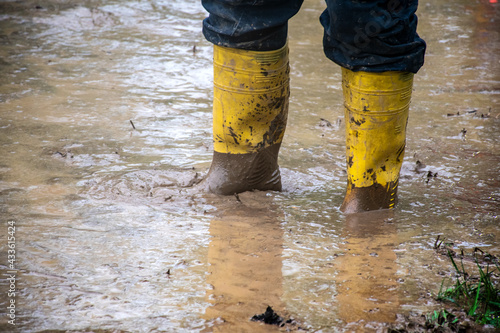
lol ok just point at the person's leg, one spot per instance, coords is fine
(377, 45)
(251, 89)
(373, 36)
(256, 25)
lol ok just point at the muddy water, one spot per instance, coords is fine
(105, 125)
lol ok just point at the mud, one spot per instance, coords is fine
(270, 317)
(456, 321)
(105, 133)
(374, 197)
(236, 173)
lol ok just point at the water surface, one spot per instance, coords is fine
(105, 123)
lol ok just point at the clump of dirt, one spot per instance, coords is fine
(270, 317)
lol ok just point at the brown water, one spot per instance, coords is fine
(110, 235)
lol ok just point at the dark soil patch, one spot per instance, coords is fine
(455, 321)
(272, 318)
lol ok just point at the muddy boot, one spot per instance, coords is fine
(251, 90)
(376, 114)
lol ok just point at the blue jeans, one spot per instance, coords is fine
(360, 35)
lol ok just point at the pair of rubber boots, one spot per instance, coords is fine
(250, 107)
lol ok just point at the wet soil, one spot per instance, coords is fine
(105, 132)
(458, 321)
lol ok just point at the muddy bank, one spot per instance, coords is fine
(105, 132)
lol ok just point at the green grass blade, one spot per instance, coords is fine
(453, 262)
(472, 311)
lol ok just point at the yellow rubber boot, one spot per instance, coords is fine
(250, 108)
(376, 114)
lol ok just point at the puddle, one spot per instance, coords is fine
(105, 132)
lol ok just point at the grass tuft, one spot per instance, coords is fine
(479, 295)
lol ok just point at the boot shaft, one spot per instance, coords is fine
(251, 90)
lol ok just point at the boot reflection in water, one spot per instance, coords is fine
(376, 44)
(367, 287)
(245, 267)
